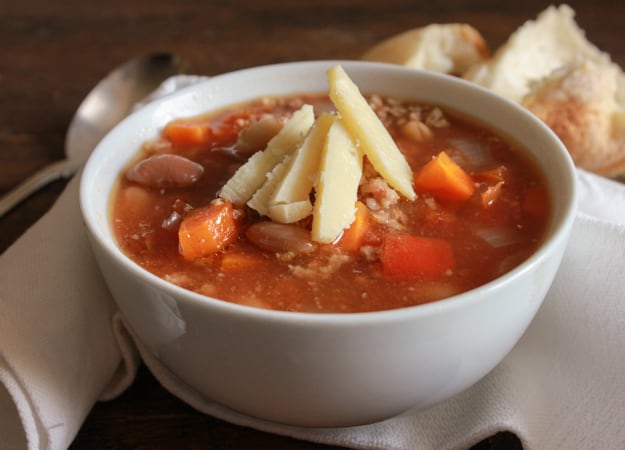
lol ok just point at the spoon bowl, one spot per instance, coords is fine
(108, 103)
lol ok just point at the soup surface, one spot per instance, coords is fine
(481, 209)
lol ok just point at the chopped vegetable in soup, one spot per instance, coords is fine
(280, 203)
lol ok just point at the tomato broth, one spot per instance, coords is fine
(406, 252)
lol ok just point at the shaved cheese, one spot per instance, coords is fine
(290, 212)
(324, 155)
(298, 183)
(252, 175)
(260, 199)
(336, 190)
(366, 128)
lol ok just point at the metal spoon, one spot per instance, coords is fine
(107, 104)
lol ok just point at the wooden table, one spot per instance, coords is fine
(53, 52)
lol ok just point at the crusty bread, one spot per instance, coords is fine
(534, 51)
(547, 65)
(448, 48)
(578, 102)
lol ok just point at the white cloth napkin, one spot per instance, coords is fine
(63, 347)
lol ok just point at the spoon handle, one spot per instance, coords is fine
(52, 172)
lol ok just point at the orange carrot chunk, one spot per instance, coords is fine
(233, 262)
(208, 229)
(445, 180)
(405, 256)
(354, 236)
(494, 175)
(187, 132)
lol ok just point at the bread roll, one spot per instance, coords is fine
(549, 66)
(580, 104)
(533, 52)
(448, 48)
(546, 65)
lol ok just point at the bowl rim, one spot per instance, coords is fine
(559, 229)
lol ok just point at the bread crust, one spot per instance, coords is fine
(447, 48)
(537, 48)
(577, 103)
(547, 65)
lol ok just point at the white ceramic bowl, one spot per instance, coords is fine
(334, 369)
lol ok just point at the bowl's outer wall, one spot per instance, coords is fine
(327, 370)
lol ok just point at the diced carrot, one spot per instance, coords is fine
(187, 132)
(536, 201)
(354, 236)
(445, 180)
(492, 175)
(405, 256)
(208, 229)
(233, 262)
(491, 194)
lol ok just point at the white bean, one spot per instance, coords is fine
(256, 136)
(165, 170)
(278, 237)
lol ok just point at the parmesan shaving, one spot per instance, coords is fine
(324, 156)
(251, 175)
(366, 128)
(337, 187)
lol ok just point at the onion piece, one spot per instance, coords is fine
(499, 237)
(172, 222)
(475, 154)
